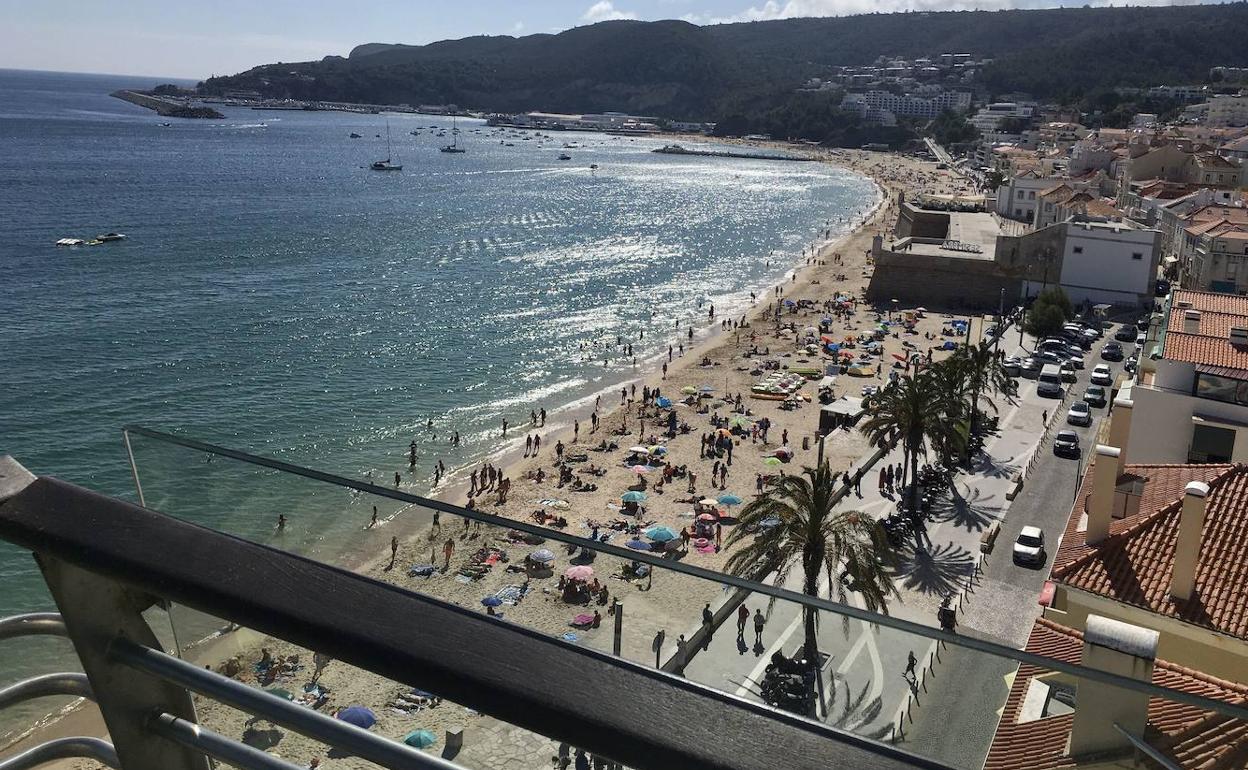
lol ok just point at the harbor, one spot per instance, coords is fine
(676, 149)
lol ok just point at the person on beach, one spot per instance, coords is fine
(543, 416)
(576, 431)
(448, 550)
(411, 455)
(398, 479)
(394, 552)
(281, 522)
(504, 427)
(537, 442)
(532, 418)
(373, 522)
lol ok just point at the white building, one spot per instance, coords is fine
(991, 117)
(1017, 197)
(1193, 383)
(1109, 262)
(1227, 111)
(908, 105)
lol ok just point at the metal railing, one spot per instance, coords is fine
(103, 581)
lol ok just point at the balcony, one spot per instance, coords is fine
(167, 618)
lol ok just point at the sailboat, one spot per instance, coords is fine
(454, 145)
(387, 164)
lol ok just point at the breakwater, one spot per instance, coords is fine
(166, 107)
(675, 149)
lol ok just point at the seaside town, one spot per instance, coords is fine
(964, 484)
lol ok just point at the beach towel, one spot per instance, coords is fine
(510, 594)
(582, 621)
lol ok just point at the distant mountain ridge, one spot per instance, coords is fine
(680, 70)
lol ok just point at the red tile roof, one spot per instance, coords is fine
(1133, 565)
(1211, 300)
(1193, 738)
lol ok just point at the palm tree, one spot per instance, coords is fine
(916, 411)
(821, 539)
(984, 377)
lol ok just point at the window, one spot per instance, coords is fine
(1031, 195)
(1078, 250)
(1021, 194)
(1217, 388)
(1137, 255)
(1232, 267)
(1018, 212)
(1211, 445)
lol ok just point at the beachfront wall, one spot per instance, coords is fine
(944, 282)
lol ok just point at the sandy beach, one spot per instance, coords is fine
(722, 361)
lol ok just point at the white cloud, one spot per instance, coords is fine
(773, 9)
(517, 27)
(605, 10)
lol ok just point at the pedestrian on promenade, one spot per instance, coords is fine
(743, 616)
(708, 617)
(759, 622)
(883, 480)
(911, 662)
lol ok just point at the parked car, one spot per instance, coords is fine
(1029, 547)
(1140, 339)
(1095, 396)
(1067, 371)
(1076, 361)
(1079, 414)
(1163, 288)
(1101, 375)
(1143, 321)
(1125, 333)
(1012, 366)
(1030, 368)
(1066, 444)
(1049, 357)
(1129, 365)
(1112, 352)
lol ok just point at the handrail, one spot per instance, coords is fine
(1239, 711)
(606, 705)
(64, 748)
(32, 624)
(67, 683)
(214, 744)
(301, 719)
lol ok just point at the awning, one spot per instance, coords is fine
(1222, 371)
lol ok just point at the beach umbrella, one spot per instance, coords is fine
(542, 556)
(784, 451)
(420, 739)
(491, 601)
(689, 390)
(707, 517)
(772, 461)
(638, 545)
(741, 422)
(729, 500)
(580, 572)
(706, 501)
(638, 450)
(641, 469)
(658, 450)
(358, 716)
(633, 497)
(706, 389)
(661, 534)
(664, 402)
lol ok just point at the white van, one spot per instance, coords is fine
(1049, 383)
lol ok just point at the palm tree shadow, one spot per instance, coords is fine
(940, 571)
(985, 464)
(856, 713)
(973, 513)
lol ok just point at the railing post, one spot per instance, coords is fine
(97, 610)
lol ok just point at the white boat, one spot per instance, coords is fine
(564, 156)
(107, 237)
(454, 145)
(387, 164)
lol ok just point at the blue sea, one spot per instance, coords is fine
(274, 294)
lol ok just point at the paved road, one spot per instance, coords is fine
(867, 664)
(1003, 603)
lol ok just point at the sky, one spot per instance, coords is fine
(176, 38)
